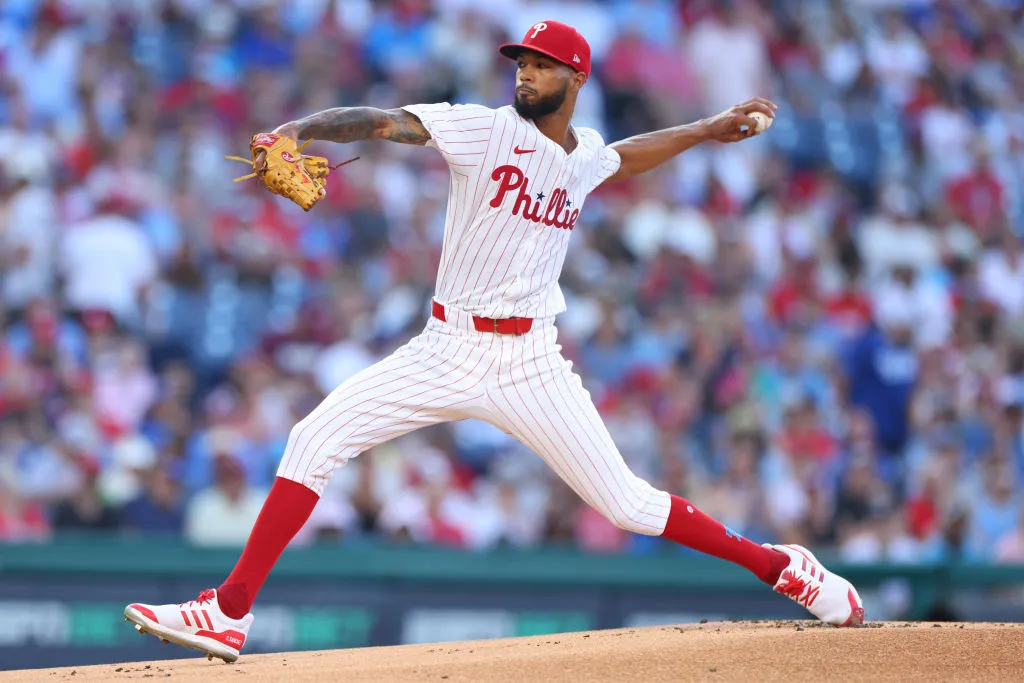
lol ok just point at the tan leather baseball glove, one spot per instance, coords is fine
(278, 161)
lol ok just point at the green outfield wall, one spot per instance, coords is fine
(61, 602)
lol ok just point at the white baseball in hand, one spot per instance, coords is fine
(762, 122)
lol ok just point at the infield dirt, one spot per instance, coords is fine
(744, 651)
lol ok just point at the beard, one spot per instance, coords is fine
(542, 104)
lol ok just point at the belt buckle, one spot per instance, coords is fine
(495, 321)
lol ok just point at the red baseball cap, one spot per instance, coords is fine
(556, 40)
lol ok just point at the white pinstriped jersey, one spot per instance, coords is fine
(514, 199)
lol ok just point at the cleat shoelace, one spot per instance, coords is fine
(205, 597)
(793, 587)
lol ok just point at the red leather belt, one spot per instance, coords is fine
(517, 326)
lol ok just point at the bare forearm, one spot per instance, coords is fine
(643, 152)
(342, 124)
(349, 124)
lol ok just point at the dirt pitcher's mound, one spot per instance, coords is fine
(762, 651)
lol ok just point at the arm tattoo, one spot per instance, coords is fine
(343, 124)
(348, 124)
(406, 127)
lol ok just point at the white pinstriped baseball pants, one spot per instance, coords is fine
(521, 384)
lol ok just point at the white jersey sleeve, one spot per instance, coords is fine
(606, 162)
(460, 132)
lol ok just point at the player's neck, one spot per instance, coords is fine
(555, 126)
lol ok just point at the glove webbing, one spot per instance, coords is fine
(252, 163)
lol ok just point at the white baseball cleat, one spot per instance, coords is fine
(827, 596)
(198, 624)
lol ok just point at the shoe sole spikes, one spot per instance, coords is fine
(163, 641)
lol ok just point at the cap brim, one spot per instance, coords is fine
(513, 50)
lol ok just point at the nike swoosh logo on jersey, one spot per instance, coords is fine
(523, 151)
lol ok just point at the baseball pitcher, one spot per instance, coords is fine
(489, 350)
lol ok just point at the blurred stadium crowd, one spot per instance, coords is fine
(816, 335)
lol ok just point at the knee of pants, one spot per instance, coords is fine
(641, 511)
(310, 458)
(300, 435)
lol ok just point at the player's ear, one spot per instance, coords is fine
(579, 78)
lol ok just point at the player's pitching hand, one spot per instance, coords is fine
(739, 122)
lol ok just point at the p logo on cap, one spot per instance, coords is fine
(556, 40)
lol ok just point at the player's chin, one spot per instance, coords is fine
(529, 110)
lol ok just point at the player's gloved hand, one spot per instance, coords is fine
(278, 161)
(728, 126)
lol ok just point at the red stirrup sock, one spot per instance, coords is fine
(690, 527)
(286, 509)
